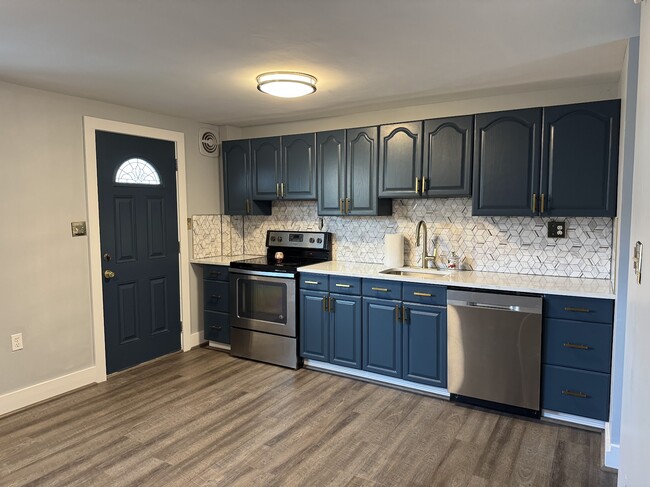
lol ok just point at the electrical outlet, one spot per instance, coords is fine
(556, 229)
(16, 342)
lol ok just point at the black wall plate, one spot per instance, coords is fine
(556, 229)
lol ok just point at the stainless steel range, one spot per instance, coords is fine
(263, 304)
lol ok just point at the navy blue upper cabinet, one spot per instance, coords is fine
(298, 167)
(238, 198)
(507, 162)
(347, 169)
(447, 156)
(266, 173)
(580, 159)
(330, 161)
(400, 160)
(361, 174)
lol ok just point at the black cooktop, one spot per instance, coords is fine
(298, 249)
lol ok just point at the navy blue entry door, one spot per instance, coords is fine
(136, 178)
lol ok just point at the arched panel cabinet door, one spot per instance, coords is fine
(330, 161)
(298, 167)
(237, 194)
(580, 159)
(447, 156)
(400, 160)
(507, 163)
(266, 170)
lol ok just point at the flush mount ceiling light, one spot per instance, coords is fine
(286, 84)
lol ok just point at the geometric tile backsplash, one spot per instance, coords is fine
(516, 245)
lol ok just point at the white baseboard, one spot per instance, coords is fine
(21, 398)
(594, 424)
(195, 340)
(611, 450)
(377, 378)
(220, 346)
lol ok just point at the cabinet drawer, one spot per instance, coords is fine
(579, 309)
(215, 272)
(425, 294)
(216, 326)
(578, 392)
(215, 295)
(578, 344)
(377, 288)
(345, 285)
(315, 282)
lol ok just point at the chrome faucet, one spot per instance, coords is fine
(421, 229)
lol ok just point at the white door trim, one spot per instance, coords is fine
(91, 125)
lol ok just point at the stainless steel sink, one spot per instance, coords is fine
(415, 272)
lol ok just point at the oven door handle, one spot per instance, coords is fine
(262, 273)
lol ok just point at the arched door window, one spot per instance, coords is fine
(137, 171)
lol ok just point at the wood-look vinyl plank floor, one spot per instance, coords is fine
(205, 419)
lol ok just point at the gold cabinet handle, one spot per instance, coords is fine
(331, 305)
(533, 205)
(347, 206)
(248, 206)
(341, 205)
(581, 395)
(325, 304)
(312, 282)
(425, 185)
(342, 285)
(109, 274)
(577, 310)
(576, 346)
(417, 185)
(382, 289)
(397, 317)
(425, 295)
(541, 203)
(277, 189)
(405, 318)
(282, 190)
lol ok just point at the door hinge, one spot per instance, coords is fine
(176, 163)
(179, 246)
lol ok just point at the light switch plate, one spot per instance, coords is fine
(78, 229)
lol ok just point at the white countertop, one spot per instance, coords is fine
(222, 259)
(566, 286)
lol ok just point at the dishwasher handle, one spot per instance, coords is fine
(485, 301)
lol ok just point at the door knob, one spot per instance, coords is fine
(109, 274)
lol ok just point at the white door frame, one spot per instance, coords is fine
(91, 125)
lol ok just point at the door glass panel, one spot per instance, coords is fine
(262, 300)
(137, 171)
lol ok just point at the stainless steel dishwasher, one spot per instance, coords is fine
(494, 348)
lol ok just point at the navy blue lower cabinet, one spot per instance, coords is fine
(216, 326)
(382, 337)
(425, 344)
(345, 330)
(314, 325)
(580, 392)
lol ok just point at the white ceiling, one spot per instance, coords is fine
(199, 58)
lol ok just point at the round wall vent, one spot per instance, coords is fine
(209, 143)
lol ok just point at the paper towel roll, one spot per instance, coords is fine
(394, 250)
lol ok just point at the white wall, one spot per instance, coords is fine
(45, 289)
(575, 94)
(628, 86)
(635, 428)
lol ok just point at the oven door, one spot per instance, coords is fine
(263, 301)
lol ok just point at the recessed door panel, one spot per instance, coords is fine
(156, 228)
(159, 305)
(128, 312)
(125, 233)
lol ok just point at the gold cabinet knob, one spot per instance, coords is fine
(109, 274)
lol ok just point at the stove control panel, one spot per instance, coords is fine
(302, 240)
